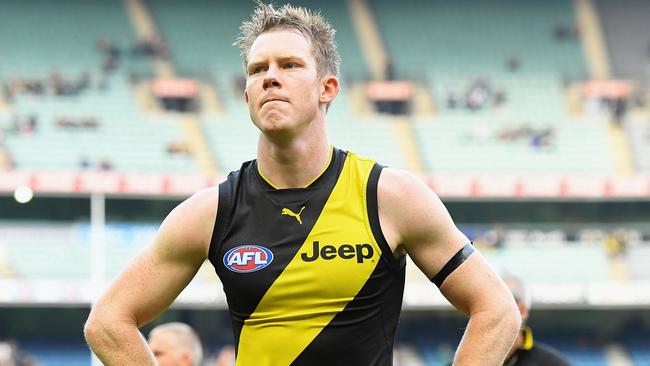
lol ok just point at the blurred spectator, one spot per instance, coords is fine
(77, 122)
(84, 163)
(21, 125)
(55, 84)
(478, 93)
(105, 165)
(226, 356)
(6, 355)
(389, 70)
(179, 148)
(535, 138)
(618, 108)
(526, 351)
(500, 98)
(513, 63)
(616, 243)
(151, 47)
(561, 30)
(452, 98)
(542, 138)
(176, 344)
(493, 238)
(10, 355)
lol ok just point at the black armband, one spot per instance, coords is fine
(452, 264)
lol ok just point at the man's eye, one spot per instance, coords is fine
(256, 70)
(291, 65)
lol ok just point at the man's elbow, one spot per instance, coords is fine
(100, 330)
(92, 330)
(510, 317)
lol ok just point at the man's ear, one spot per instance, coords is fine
(329, 88)
(246, 96)
(523, 310)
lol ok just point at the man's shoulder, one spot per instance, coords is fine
(399, 184)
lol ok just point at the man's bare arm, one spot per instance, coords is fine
(414, 220)
(151, 282)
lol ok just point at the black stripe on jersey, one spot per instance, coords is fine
(371, 310)
(224, 212)
(373, 216)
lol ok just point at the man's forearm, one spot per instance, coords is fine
(488, 338)
(118, 343)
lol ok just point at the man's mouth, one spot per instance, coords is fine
(274, 100)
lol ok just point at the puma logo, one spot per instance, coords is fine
(286, 211)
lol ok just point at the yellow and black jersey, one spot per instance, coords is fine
(308, 275)
(533, 353)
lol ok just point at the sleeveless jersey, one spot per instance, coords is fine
(308, 275)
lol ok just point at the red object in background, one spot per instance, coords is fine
(610, 89)
(389, 91)
(174, 88)
(460, 186)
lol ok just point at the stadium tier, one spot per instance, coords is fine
(546, 261)
(621, 22)
(493, 145)
(70, 110)
(500, 94)
(639, 137)
(450, 44)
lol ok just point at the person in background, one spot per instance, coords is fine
(175, 344)
(526, 351)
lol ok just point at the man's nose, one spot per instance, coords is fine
(271, 78)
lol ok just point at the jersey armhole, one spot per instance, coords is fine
(224, 216)
(373, 218)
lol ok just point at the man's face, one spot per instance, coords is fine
(166, 350)
(282, 87)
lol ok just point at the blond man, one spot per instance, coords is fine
(308, 240)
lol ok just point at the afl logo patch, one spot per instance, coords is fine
(247, 258)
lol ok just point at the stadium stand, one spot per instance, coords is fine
(638, 132)
(622, 22)
(100, 122)
(197, 52)
(465, 55)
(483, 145)
(549, 259)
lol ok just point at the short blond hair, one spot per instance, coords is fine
(310, 24)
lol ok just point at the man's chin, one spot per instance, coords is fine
(274, 123)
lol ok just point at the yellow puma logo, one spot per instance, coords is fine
(286, 211)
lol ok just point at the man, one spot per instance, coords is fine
(309, 241)
(526, 351)
(175, 344)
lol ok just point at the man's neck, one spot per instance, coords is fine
(295, 164)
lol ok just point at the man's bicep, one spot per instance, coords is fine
(422, 224)
(146, 287)
(155, 277)
(474, 286)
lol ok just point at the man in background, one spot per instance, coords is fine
(526, 351)
(175, 344)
